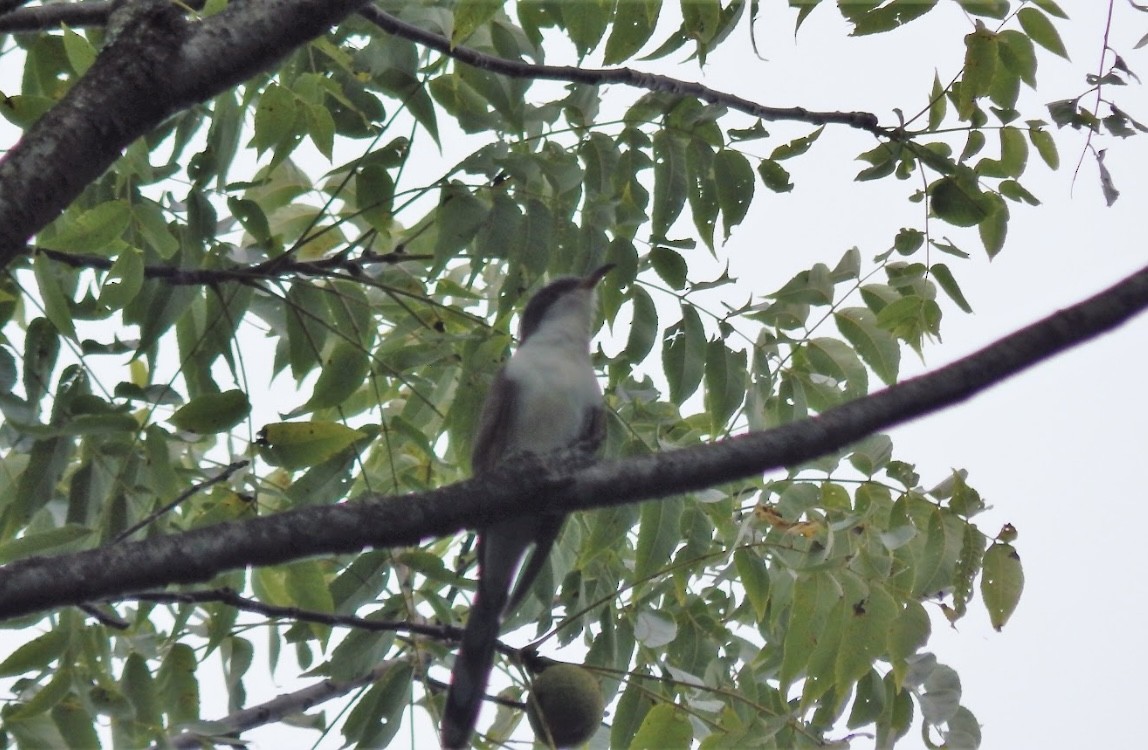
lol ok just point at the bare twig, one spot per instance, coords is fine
(625, 76)
(230, 726)
(221, 476)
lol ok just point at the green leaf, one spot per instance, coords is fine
(877, 347)
(659, 535)
(869, 701)
(295, 445)
(725, 381)
(81, 54)
(908, 241)
(1018, 55)
(866, 628)
(306, 588)
(1014, 191)
(835, 359)
(973, 145)
(377, 716)
(670, 266)
(941, 696)
(814, 595)
(774, 176)
(55, 302)
(375, 194)
(469, 16)
(75, 724)
(124, 280)
(1044, 144)
(213, 412)
(139, 689)
(643, 325)
(458, 218)
(345, 368)
(670, 181)
(683, 355)
(796, 147)
(1041, 30)
(275, 117)
(664, 728)
(177, 685)
(585, 22)
(753, 574)
(980, 67)
(897, 717)
(958, 202)
(39, 542)
(994, 227)
(48, 696)
(250, 215)
(35, 655)
(948, 283)
(871, 454)
(735, 183)
(634, 24)
(461, 100)
(703, 189)
(908, 633)
(1002, 581)
(938, 103)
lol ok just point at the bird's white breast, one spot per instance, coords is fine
(555, 389)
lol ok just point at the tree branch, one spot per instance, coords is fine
(232, 599)
(625, 76)
(156, 64)
(540, 484)
(15, 19)
(278, 708)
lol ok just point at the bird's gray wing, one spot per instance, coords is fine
(589, 439)
(498, 414)
(498, 556)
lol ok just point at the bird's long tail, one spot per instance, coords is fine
(472, 667)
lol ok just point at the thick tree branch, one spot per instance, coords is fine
(40, 17)
(532, 483)
(157, 64)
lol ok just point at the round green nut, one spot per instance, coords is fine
(565, 705)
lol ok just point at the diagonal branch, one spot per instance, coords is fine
(535, 484)
(279, 708)
(624, 76)
(156, 64)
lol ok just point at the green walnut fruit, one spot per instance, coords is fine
(565, 705)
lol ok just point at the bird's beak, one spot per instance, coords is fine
(591, 279)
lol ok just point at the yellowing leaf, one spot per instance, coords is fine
(294, 445)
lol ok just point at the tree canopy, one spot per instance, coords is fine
(263, 260)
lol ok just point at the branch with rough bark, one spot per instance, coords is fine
(544, 484)
(156, 64)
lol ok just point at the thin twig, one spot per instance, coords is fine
(221, 476)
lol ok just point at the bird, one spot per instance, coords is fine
(546, 397)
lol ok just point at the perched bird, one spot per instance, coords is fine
(544, 398)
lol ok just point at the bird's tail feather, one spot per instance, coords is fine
(472, 669)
